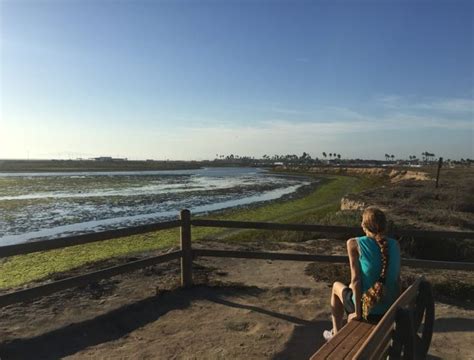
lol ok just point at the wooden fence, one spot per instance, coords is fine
(187, 253)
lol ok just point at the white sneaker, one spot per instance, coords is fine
(328, 334)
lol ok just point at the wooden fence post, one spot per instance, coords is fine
(440, 163)
(187, 258)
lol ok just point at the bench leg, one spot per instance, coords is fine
(403, 342)
(424, 310)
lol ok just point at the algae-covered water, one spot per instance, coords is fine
(46, 205)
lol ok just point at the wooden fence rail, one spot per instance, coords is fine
(416, 263)
(187, 253)
(67, 241)
(346, 230)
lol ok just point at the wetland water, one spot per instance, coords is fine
(46, 205)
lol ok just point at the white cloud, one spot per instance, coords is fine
(277, 137)
(389, 101)
(288, 111)
(446, 105)
(449, 105)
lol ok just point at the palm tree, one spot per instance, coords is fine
(324, 154)
(427, 155)
(339, 156)
(392, 156)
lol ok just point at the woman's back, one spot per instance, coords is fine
(370, 261)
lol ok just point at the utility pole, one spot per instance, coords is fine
(440, 163)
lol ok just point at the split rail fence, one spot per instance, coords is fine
(187, 253)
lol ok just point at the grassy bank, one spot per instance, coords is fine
(320, 206)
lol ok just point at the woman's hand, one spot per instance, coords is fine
(353, 316)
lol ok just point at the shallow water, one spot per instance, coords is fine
(46, 205)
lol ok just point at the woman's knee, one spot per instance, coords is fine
(338, 290)
(337, 286)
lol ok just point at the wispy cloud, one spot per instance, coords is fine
(338, 120)
(285, 136)
(445, 105)
(449, 105)
(288, 111)
(389, 101)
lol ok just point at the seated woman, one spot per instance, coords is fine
(375, 275)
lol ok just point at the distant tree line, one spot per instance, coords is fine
(331, 158)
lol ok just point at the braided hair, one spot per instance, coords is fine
(374, 222)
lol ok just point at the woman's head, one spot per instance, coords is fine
(374, 221)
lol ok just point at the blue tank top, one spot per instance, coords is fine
(370, 261)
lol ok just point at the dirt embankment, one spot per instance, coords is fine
(352, 202)
(394, 175)
(412, 204)
(419, 204)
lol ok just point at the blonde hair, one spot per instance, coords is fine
(374, 222)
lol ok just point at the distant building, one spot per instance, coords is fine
(109, 158)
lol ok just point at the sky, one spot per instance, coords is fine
(192, 79)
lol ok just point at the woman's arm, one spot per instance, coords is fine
(355, 285)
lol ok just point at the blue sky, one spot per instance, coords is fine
(189, 79)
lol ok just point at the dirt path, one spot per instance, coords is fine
(249, 309)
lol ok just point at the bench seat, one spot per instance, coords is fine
(347, 342)
(394, 334)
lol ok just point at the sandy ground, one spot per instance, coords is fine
(240, 309)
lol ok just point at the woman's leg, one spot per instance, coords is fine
(337, 307)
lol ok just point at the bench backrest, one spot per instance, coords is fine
(379, 339)
(361, 340)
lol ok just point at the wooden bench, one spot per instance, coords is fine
(404, 332)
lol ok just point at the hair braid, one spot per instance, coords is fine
(374, 221)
